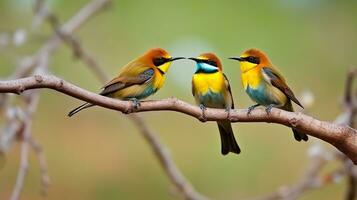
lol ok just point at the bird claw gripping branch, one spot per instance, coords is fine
(202, 118)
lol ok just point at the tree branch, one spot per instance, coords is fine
(341, 136)
(320, 157)
(159, 150)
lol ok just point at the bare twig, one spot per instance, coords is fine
(308, 181)
(341, 136)
(23, 164)
(71, 26)
(32, 106)
(78, 51)
(350, 105)
(45, 178)
(38, 64)
(351, 171)
(166, 162)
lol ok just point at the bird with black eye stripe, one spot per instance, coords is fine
(138, 79)
(210, 88)
(266, 86)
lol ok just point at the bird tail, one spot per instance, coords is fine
(298, 135)
(228, 142)
(79, 108)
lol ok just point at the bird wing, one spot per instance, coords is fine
(229, 89)
(193, 89)
(276, 79)
(128, 78)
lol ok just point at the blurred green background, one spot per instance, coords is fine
(99, 154)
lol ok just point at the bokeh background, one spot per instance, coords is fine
(99, 154)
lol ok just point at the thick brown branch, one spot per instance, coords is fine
(341, 136)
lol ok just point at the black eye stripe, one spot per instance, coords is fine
(210, 62)
(160, 61)
(252, 59)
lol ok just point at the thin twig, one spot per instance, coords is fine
(78, 51)
(32, 106)
(69, 27)
(23, 164)
(308, 181)
(37, 64)
(163, 155)
(45, 178)
(351, 171)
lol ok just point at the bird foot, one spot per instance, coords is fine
(135, 105)
(268, 108)
(128, 111)
(202, 118)
(228, 111)
(251, 108)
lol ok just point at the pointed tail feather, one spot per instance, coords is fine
(79, 108)
(298, 135)
(228, 142)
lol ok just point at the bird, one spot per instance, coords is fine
(266, 86)
(138, 79)
(211, 88)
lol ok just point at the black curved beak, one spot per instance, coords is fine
(195, 59)
(237, 58)
(176, 58)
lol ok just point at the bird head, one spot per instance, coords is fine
(159, 58)
(207, 63)
(251, 58)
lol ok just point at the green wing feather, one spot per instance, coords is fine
(131, 74)
(277, 80)
(229, 89)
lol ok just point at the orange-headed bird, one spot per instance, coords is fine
(138, 79)
(265, 85)
(211, 88)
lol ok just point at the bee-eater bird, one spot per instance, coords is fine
(138, 79)
(265, 85)
(211, 88)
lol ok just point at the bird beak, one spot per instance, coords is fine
(195, 59)
(237, 58)
(176, 58)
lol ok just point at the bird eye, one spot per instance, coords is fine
(159, 61)
(253, 59)
(211, 62)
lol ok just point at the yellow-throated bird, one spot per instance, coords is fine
(138, 79)
(211, 88)
(265, 85)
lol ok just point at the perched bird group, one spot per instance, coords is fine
(145, 75)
